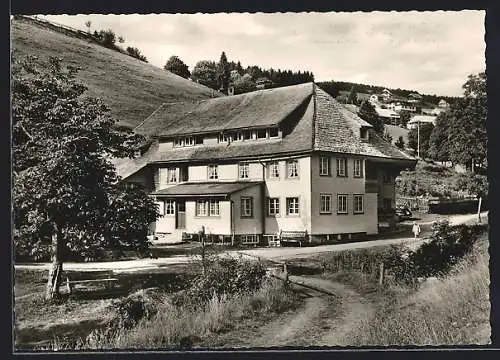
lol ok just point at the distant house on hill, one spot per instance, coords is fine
(443, 104)
(291, 160)
(263, 83)
(422, 119)
(388, 116)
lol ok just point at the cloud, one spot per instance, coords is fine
(431, 52)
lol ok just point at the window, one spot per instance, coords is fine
(274, 170)
(169, 207)
(213, 173)
(292, 206)
(358, 204)
(273, 206)
(221, 137)
(358, 168)
(172, 175)
(213, 208)
(387, 204)
(198, 140)
(161, 207)
(247, 135)
(325, 204)
(273, 133)
(293, 169)
(186, 141)
(341, 204)
(324, 166)
(246, 207)
(244, 170)
(238, 136)
(207, 207)
(364, 133)
(341, 167)
(261, 134)
(201, 208)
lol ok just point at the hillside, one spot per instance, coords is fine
(396, 132)
(131, 88)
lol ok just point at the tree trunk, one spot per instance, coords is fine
(55, 271)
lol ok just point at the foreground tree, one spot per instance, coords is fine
(177, 66)
(467, 124)
(64, 185)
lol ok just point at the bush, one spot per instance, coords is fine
(224, 276)
(446, 247)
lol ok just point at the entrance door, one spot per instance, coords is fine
(180, 220)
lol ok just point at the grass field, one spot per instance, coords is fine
(444, 311)
(131, 88)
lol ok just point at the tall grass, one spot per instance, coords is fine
(175, 327)
(446, 311)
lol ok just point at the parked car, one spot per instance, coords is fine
(403, 213)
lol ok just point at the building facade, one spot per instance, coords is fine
(245, 168)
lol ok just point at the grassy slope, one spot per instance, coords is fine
(131, 88)
(449, 311)
(396, 132)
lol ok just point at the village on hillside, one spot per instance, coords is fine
(220, 205)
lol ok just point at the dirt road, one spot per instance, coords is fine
(323, 320)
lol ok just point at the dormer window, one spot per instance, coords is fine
(247, 135)
(273, 132)
(261, 134)
(363, 133)
(188, 141)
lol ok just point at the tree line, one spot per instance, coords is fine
(108, 38)
(219, 75)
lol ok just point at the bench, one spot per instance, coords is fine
(293, 236)
(272, 240)
(89, 277)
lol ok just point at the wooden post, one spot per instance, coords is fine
(479, 210)
(285, 273)
(381, 274)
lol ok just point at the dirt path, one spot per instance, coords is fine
(323, 320)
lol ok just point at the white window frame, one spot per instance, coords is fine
(324, 166)
(213, 207)
(161, 207)
(356, 208)
(169, 207)
(342, 206)
(171, 171)
(245, 210)
(292, 169)
(274, 203)
(293, 206)
(274, 166)
(359, 168)
(275, 136)
(213, 172)
(243, 170)
(342, 161)
(325, 199)
(201, 208)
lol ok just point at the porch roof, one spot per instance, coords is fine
(205, 189)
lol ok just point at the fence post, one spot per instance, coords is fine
(285, 273)
(381, 274)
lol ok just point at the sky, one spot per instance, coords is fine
(430, 52)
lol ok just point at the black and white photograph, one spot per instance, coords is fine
(249, 181)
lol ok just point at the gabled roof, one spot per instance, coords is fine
(250, 110)
(318, 123)
(206, 188)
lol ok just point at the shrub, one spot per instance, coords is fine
(133, 308)
(223, 276)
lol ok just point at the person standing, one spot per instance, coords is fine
(416, 229)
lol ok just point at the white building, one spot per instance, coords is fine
(249, 167)
(422, 119)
